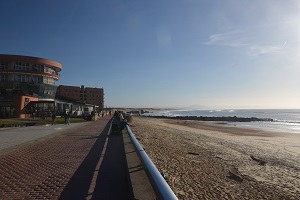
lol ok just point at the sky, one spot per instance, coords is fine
(165, 53)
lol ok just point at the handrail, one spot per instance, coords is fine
(160, 186)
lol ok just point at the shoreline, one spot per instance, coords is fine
(263, 124)
(195, 155)
(217, 119)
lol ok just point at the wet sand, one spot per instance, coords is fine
(208, 160)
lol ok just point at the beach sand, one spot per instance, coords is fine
(209, 160)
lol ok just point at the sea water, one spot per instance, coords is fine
(285, 120)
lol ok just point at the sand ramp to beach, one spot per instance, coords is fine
(204, 160)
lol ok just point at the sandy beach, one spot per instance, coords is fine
(209, 160)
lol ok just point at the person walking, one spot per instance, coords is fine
(53, 118)
(68, 118)
(122, 125)
(92, 115)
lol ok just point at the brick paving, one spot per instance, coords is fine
(49, 169)
(12, 137)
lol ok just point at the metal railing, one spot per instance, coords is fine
(160, 186)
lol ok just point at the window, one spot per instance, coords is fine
(22, 66)
(17, 66)
(51, 81)
(37, 79)
(37, 68)
(40, 79)
(33, 79)
(46, 91)
(46, 69)
(45, 80)
(3, 65)
(50, 70)
(22, 78)
(2, 78)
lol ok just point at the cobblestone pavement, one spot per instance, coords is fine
(43, 170)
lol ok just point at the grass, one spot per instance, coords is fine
(5, 124)
(9, 122)
(61, 120)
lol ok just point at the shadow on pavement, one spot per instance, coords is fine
(112, 180)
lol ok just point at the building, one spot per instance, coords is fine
(27, 85)
(93, 96)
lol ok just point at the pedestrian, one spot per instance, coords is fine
(43, 116)
(93, 115)
(68, 118)
(122, 125)
(53, 118)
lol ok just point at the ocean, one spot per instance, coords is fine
(285, 120)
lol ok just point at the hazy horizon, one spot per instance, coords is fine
(202, 108)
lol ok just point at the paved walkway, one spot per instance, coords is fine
(78, 161)
(12, 137)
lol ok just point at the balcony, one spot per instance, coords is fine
(40, 90)
(54, 75)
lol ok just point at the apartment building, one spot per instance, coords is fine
(24, 79)
(94, 96)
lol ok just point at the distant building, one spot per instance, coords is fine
(25, 79)
(94, 96)
(28, 89)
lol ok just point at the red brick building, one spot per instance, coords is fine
(94, 96)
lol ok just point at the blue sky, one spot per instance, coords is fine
(165, 53)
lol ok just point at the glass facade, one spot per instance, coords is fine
(24, 78)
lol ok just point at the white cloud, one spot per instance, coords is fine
(260, 27)
(225, 39)
(235, 39)
(213, 39)
(271, 49)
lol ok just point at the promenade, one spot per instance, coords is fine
(76, 161)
